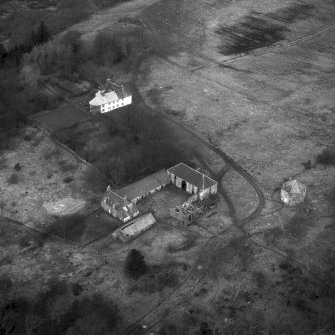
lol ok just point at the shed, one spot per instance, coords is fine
(135, 227)
(193, 181)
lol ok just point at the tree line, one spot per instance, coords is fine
(59, 309)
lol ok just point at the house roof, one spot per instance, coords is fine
(103, 98)
(122, 93)
(192, 176)
(113, 198)
(109, 93)
(144, 186)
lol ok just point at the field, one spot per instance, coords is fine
(64, 117)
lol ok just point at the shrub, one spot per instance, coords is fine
(327, 157)
(167, 279)
(135, 265)
(66, 166)
(76, 289)
(67, 180)
(14, 178)
(47, 154)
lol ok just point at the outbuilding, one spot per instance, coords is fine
(193, 181)
(144, 187)
(135, 227)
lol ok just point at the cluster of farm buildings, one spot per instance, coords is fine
(121, 204)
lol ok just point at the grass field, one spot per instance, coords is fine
(63, 117)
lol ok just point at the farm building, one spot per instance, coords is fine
(193, 181)
(118, 206)
(145, 186)
(134, 228)
(121, 203)
(110, 97)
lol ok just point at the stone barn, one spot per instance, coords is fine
(193, 181)
(144, 187)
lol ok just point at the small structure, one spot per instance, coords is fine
(293, 192)
(118, 206)
(142, 188)
(109, 97)
(187, 212)
(193, 181)
(134, 228)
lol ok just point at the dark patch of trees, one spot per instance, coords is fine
(42, 35)
(326, 157)
(135, 265)
(106, 49)
(57, 310)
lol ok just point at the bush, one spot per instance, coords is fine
(327, 157)
(167, 279)
(47, 154)
(66, 166)
(135, 265)
(67, 180)
(14, 178)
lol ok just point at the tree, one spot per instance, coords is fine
(41, 36)
(72, 39)
(135, 265)
(30, 75)
(106, 49)
(3, 53)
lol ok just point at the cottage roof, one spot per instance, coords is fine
(113, 198)
(145, 185)
(102, 98)
(192, 176)
(109, 93)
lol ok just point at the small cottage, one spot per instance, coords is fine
(118, 206)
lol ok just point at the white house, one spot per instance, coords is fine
(110, 97)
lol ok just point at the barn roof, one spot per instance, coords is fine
(192, 176)
(145, 185)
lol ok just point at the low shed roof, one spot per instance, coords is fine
(138, 225)
(144, 186)
(192, 176)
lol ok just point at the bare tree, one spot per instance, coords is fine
(32, 322)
